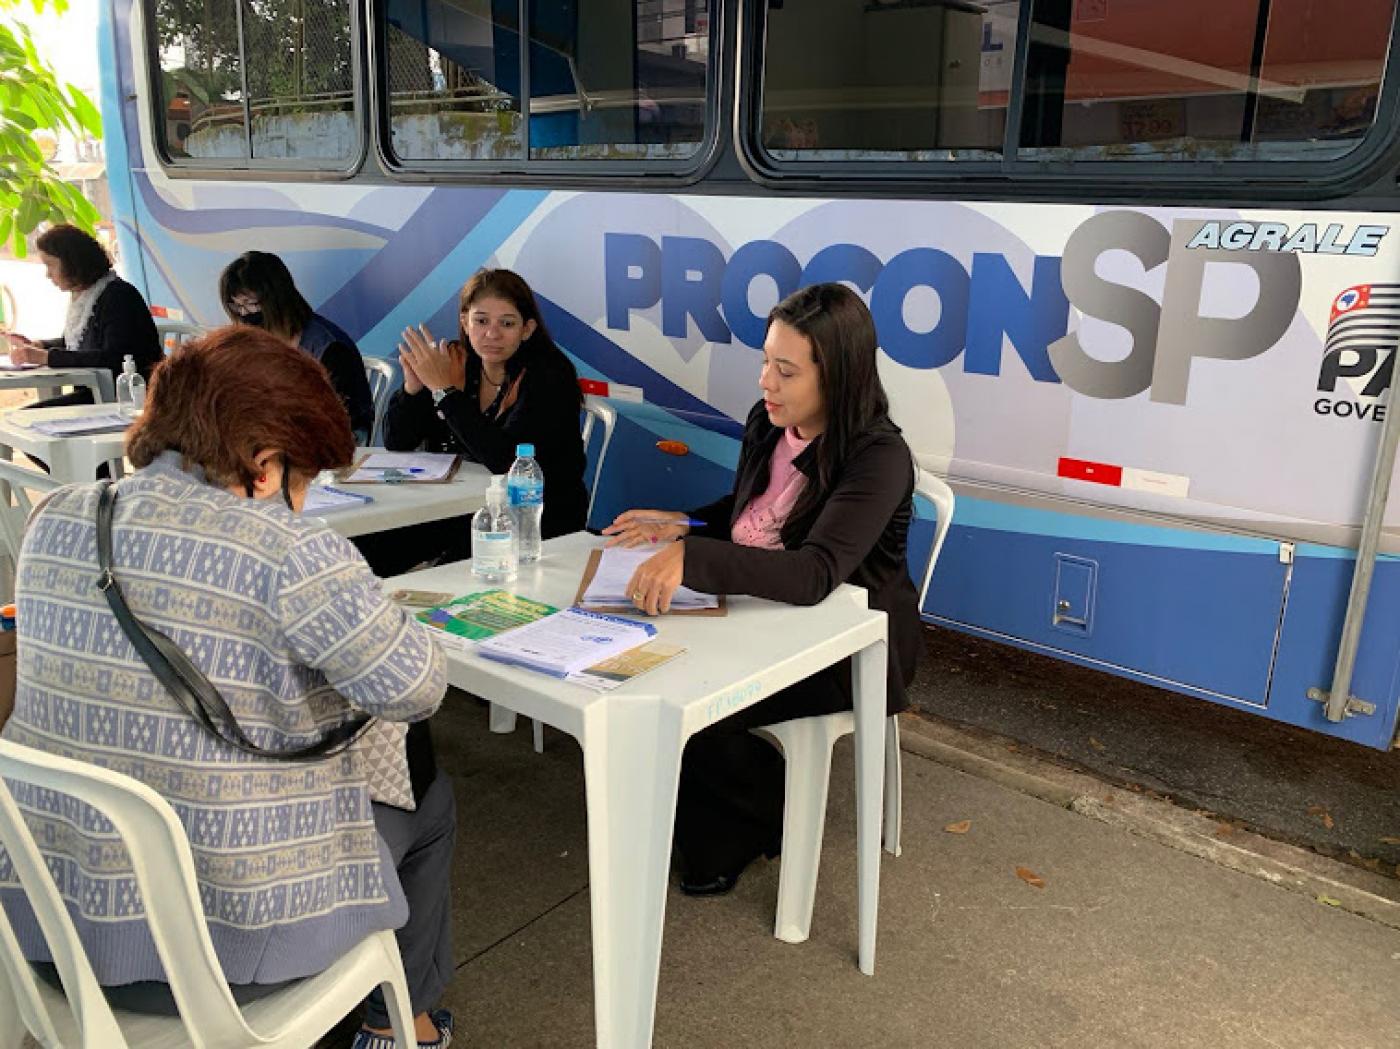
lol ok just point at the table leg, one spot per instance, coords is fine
(632, 761)
(868, 679)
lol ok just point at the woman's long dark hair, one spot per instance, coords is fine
(538, 351)
(284, 310)
(845, 348)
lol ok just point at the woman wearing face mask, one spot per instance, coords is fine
(257, 288)
(823, 495)
(107, 317)
(503, 382)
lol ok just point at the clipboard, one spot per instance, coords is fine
(343, 477)
(595, 556)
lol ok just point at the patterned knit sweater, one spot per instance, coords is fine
(288, 622)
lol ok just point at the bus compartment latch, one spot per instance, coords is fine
(1354, 705)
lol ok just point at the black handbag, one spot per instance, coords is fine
(185, 682)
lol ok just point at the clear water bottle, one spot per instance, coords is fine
(525, 483)
(131, 389)
(493, 536)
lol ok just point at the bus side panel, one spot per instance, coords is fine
(1312, 628)
(1204, 619)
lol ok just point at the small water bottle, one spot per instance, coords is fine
(525, 483)
(131, 389)
(493, 536)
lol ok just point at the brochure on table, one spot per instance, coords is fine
(567, 642)
(599, 652)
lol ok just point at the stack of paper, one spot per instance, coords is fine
(323, 499)
(111, 421)
(404, 466)
(8, 365)
(566, 642)
(608, 588)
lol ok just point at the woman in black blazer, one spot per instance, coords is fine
(503, 382)
(823, 495)
(107, 317)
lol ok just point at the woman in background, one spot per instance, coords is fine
(107, 317)
(257, 288)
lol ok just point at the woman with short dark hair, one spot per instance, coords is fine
(296, 635)
(257, 288)
(107, 317)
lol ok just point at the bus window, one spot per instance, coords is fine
(301, 79)
(199, 97)
(615, 80)
(887, 79)
(453, 68)
(608, 79)
(296, 60)
(1139, 80)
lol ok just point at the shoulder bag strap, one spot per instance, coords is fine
(185, 682)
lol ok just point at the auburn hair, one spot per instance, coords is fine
(221, 399)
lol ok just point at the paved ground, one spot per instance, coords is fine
(1128, 944)
(1337, 798)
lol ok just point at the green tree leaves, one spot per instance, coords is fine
(33, 99)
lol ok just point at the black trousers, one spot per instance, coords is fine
(730, 806)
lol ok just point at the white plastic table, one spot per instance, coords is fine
(98, 380)
(632, 739)
(71, 460)
(399, 505)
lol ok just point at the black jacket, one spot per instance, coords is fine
(546, 414)
(858, 534)
(120, 324)
(338, 354)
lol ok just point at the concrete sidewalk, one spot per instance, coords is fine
(1129, 943)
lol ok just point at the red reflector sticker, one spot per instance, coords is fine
(1098, 473)
(593, 386)
(673, 447)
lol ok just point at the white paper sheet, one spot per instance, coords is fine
(7, 365)
(566, 642)
(608, 588)
(323, 499)
(404, 466)
(80, 426)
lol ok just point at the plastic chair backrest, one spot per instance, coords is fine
(16, 482)
(597, 410)
(936, 491)
(160, 856)
(173, 334)
(383, 376)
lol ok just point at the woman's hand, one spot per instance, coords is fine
(436, 364)
(655, 580)
(411, 383)
(26, 351)
(635, 527)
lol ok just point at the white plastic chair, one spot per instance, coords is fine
(807, 743)
(596, 411)
(18, 485)
(383, 377)
(174, 334)
(79, 1016)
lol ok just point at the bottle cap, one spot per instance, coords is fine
(525, 451)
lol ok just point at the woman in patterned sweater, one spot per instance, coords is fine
(285, 619)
